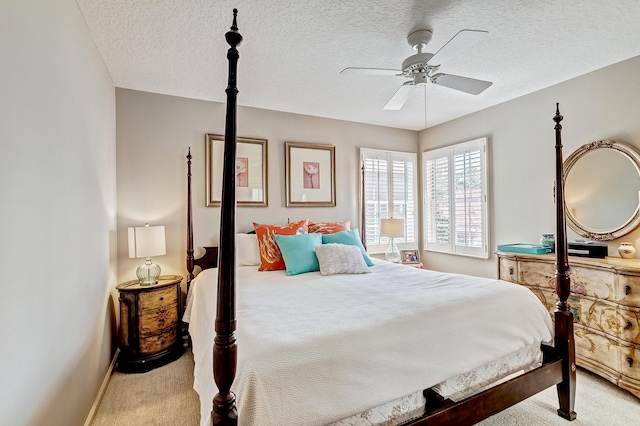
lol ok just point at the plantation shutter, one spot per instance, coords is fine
(390, 191)
(437, 206)
(455, 201)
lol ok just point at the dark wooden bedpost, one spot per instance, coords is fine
(563, 316)
(190, 265)
(225, 348)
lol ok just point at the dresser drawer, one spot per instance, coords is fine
(158, 342)
(508, 270)
(628, 290)
(536, 273)
(154, 299)
(597, 347)
(630, 361)
(592, 282)
(629, 324)
(152, 320)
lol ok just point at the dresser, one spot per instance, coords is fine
(605, 302)
(150, 326)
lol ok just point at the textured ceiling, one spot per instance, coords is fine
(294, 50)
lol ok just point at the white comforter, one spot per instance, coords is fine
(315, 349)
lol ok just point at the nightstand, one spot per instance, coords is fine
(150, 326)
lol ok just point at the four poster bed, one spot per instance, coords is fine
(388, 345)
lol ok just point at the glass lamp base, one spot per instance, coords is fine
(392, 254)
(148, 273)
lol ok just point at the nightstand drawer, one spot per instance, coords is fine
(158, 342)
(154, 299)
(157, 319)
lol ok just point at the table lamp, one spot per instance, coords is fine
(392, 228)
(146, 241)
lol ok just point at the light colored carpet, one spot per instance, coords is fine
(165, 397)
(160, 397)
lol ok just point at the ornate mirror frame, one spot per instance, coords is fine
(630, 152)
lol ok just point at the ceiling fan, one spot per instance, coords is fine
(423, 67)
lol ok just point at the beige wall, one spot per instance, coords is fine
(57, 209)
(153, 135)
(601, 105)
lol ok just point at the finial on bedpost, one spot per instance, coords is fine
(558, 118)
(233, 36)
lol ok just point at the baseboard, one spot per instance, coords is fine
(103, 388)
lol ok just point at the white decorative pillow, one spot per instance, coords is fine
(340, 259)
(247, 253)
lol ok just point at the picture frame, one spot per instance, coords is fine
(251, 171)
(410, 257)
(310, 175)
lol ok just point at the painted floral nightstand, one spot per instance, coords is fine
(150, 326)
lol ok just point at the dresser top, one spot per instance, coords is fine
(617, 263)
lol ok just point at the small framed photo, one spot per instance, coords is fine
(410, 257)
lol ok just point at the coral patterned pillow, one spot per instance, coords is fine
(329, 227)
(270, 255)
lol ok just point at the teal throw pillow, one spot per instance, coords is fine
(350, 238)
(299, 253)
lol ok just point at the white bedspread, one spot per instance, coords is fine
(315, 349)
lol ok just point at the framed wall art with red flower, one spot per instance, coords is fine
(250, 172)
(310, 175)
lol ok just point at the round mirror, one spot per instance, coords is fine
(602, 190)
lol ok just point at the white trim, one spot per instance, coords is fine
(103, 389)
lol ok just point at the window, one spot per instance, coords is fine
(390, 179)
(455, 199)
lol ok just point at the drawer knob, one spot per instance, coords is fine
(161, 320)
(628, 326)
(162, 343)
(630, 361)
(627, 289)
(162, 298)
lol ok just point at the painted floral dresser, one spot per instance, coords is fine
(605, 301)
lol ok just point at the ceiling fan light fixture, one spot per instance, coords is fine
(420, 78)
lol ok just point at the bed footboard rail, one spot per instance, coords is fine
(439, 411)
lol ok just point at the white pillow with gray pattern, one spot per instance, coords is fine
(340, 259)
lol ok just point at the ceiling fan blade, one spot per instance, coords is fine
(400, 97)
(463, 84)
(370, 71)
(459, 42)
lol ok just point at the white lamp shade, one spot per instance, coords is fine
(392, 228)
(146, 241)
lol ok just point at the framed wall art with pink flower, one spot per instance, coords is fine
(250, 171)
(310, 175)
